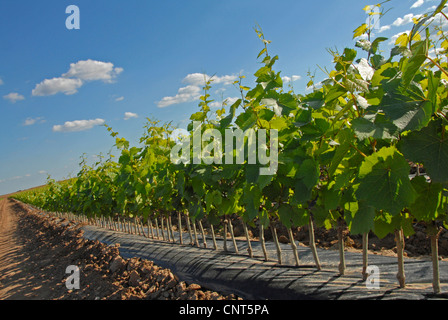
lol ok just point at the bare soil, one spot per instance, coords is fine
(35, 251)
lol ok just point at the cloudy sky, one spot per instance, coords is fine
(135, 59)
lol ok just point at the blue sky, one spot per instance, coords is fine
(135, 59)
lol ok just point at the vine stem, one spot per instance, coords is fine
(313, 244)
(215, 246)
(179, 222)
(359, 151)
(171, 229)
(434, 233)
(157, 228)
(233, 236)
(342, 266)
(196, 240)
(150, 230)
(136, 225)
(365, 257)
(293, 246)
(262, 242)
(277, 244)
(168, 229)
(115, 225)
(435, 263)
(189, 230)
(249, 246)
(142, 227)
(225, 235)
(204, 240)
(399, 239)
(437, 65)
(163, 228)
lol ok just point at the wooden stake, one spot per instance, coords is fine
(162, 227)
(168, 230)
(225, 235)
(157, 228)
(232, 235)
(399, 239)
(341, 248)
(313, 244)
(204, 240)
(189, 230)
(195, 234)
(263, 244)
(171, 229)
(365, 256)
(179, 221)
(293, 246)
(249, 246)
(215, 246)
(277, 244)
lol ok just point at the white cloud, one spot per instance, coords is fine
(433, 53)
(439, 20)
(1, 82)
(119, 99)
(199, 79)
(417, 4)
(129, 115)
(291, 79)
(79, 72)
(50, 87)
(42, 172)
(31, 121)
(406, 19)
(90, 70)
(383, 28)
(185, 94)
(195, 81)
(78, 125)
(13, 97)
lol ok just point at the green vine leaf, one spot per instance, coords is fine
(384, 181)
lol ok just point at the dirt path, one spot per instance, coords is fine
(21, 275)
(36, 249)
(12, 261)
